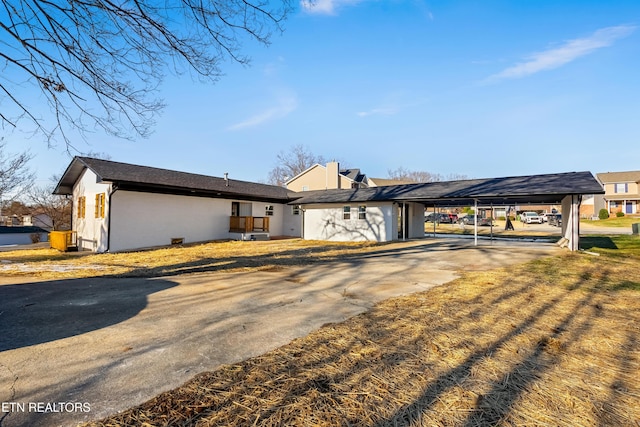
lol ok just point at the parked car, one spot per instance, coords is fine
(469, 220)
(531, 217)
(453, 217)
(437, 217)
(554, 220)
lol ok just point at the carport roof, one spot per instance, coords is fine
(542, 189)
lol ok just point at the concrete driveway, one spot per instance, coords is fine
(76, 350)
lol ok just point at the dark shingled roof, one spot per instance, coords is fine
(353, 174)
(550, 188)
(143, 178)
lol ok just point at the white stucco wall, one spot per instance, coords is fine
(325, 222)
(141, 220)
(91, 231)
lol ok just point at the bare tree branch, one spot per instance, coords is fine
(99, 63)
(403, 174)
(15, 175)
(293, 162)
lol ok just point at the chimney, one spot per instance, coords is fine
(333, 175)
(226, 179)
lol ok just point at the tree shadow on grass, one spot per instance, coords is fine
(603, 242)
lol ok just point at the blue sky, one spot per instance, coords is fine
(491, 88)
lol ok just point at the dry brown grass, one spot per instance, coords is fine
(555, 342)
(213, 256)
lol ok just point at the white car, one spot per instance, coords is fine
(531, 217)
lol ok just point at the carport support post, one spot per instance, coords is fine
(571, 221)
(434, 220)
(475, 222)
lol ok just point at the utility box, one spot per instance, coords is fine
(635, 228)
(64, 241)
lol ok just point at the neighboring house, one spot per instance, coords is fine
(21, 235)
(591, 205)
(621, 191)
(41, 220)
(328, 177)
(120, 206)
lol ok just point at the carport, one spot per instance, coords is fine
(566, 189)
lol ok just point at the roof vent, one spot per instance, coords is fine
(226, 179)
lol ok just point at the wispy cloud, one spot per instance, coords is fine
(395, 103)
(285, 105)
(384, 111)
(325, 7)
(567, 52)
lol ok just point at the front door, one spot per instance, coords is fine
(629, 208)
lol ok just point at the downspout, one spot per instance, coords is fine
(114, 188)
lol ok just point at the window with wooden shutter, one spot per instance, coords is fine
(99, 210)
(82, 203)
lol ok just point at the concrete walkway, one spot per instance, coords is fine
(88, 348)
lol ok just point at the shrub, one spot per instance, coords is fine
(603, 214)
(619, 214)
(35, 237)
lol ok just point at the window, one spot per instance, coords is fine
(346, 212)
(82, 204)
(362, 212)
(614, 204)
(621, 188)
(268, 210)
(295, 209)
(305, 188)
(99, 211)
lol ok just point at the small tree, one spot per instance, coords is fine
(603, 214)
(56, 208)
